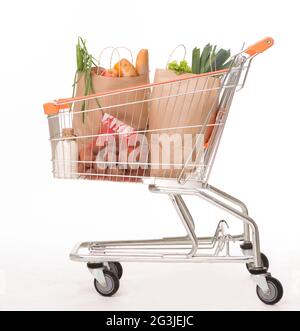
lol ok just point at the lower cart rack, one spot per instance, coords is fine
(101, 257)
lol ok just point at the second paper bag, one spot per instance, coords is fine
(177, 112)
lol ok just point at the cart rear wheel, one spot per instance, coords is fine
(264, 261)
(116, 268)
(275, 294)
(112, 284)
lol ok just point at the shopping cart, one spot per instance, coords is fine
(184, 176)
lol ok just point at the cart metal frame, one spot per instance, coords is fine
(100, 256)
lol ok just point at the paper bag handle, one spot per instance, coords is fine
(114, 49)
(101, 54)
(127, 49)
(173, 52)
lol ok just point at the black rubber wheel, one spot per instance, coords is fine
(112, 284)
(264, 260)
(276, 292)
(95, 265)
(116, 268)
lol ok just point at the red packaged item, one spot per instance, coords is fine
(113, 142)
(118, 152)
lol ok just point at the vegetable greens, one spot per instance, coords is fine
(179, 68)
(209, 60)
(85, 63)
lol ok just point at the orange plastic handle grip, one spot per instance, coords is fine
(53, 109)
(260, 46)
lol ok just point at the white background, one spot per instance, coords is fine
(42, 218)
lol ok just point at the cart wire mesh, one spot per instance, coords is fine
(166, 130)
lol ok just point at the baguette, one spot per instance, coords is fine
(142, 62)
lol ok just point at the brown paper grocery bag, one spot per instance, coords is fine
(135, 115)
(177, 108)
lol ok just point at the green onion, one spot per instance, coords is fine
(85, 63)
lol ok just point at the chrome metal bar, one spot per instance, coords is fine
(135, 244)
(184, 216)
(176, 258)
(107, 250)
(227, 98)
(187, 212)
(245, 218)
(206, 239)
(237, 202)
(163, 241)
(247, 73)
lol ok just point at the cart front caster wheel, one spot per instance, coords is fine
(264, 261)
(112, 284)
(275, 294)
(116, 268)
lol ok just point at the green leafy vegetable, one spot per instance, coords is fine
(205, 57)
(222, 59)
(85, 63)
(196, 60)
(179, 68)
(210, 59)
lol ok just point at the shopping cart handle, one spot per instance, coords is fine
(260, 46)
(51, 108)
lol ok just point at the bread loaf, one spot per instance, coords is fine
(125, 69)
(142, 62)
